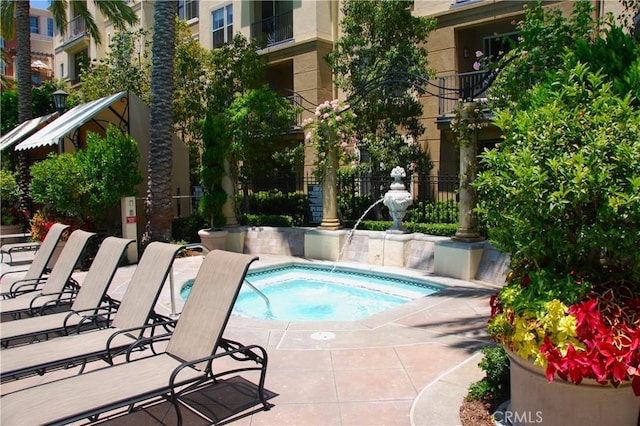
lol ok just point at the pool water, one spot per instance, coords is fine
(313, 293)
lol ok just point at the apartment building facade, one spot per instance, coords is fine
(42, 58)
(296, 35)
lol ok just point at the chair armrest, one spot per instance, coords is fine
(93, 315)
(50, 304)
(13, 271)
(60, 300)
(140, 330)
(25, 286)
(260, 358)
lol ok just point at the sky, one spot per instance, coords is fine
(39, 4)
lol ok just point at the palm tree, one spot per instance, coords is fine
(158, 203)
(117, 11)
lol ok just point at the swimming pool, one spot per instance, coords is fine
(316, 293)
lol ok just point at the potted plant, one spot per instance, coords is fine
(13, 219)
(212, 173)
(561, 194)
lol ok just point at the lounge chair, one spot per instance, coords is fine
(8, 249)
(38, 267)
(185, 365)
(134, 311)
(84, 311)
(58, 287)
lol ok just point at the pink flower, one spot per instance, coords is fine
(325, 115)
(477, 66)
(479, 54)
(338, 118)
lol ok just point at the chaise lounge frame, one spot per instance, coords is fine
(86, 311)
(134, 316)
(185, 365)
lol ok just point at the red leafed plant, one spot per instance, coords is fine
(42, 221)
(608, 326)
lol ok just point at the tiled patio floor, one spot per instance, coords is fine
(410, 365)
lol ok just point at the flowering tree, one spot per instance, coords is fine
(332, 136)
(332, 132)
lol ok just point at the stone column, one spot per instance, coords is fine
(330, 193)
(467, 226)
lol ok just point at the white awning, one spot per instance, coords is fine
(23, 130)
(68, 122)
(39, 65)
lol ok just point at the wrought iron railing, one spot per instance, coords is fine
(273, 30)
(423, 187)
(296, 101)
(76, 28)
(454, 88)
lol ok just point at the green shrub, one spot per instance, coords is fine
(215, 148)
(494, 386)
(439, 212)
(267, 220)
(186, 228)
(294, 205)
(353, 206)
(437, 229)
(562, 191)
(87, 183)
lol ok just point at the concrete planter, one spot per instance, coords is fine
(535, 401)
(213, 238)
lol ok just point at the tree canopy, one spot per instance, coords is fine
(381, 64)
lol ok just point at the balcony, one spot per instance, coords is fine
(296, 102)
(454, 88)
(76, 37)
(273, 30)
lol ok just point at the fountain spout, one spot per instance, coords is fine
(397, 199)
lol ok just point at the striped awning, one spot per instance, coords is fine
(24, 130)
(68, 122)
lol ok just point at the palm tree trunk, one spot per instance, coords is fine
(23, 76)
(158, 204)
(23, 61)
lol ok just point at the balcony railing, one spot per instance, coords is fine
(454, 88)
(76, 28)
(273, 30)
(296, 101)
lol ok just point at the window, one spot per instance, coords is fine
(187, 9)
(34, 24)
(222, 24)
(50, 27)
(496, 46)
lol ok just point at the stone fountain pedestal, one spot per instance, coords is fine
(397, 199)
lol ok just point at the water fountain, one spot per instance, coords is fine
(397, 199)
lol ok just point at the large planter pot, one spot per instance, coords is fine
(213, 238)
(536, 401)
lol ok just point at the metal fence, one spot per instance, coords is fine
(355, 192)
(423, 187)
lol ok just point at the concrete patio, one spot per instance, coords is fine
(407, 366)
